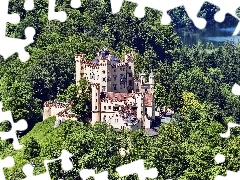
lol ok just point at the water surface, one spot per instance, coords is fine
(214, 32)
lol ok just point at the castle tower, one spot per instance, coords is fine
(143, 77)
(79, 59)
(96, 103)
(152, 84)
(143, 111)
(129, 59)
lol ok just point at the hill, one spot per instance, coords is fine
(194, 81)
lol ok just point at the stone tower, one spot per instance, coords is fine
(80, 60)
(142, 78)
(96, 103)
(130, 75)
(152, 84)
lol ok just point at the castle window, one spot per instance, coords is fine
(104, 118)
(92, 76)
(115, 108)
(104, 79)
(96, 100)
(145, 90)
(130, 74)
(97, 77)
(96, 94)
(104, 107)
(114, 70)
(103, 72)
(103, 88)
(115, 86)
(123, 69)
(137, 84)
(120, 69)
(129, 67)
(95, 107)
(115, 78)
(109, 107)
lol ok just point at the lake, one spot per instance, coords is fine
(214, 32)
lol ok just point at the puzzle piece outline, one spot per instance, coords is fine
(192, 9)
(19, 45)
(66, 163)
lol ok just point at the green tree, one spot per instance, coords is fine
(32, 149)
(80, 96)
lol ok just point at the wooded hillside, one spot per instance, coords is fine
(195, 81)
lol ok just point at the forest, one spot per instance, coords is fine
(194, 81)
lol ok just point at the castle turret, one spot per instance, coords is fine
(143, 77)
(152, 83)
(80, 59)
(96, 103)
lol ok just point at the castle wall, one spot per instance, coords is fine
(66, 117)
(79, 59)
(56, 110)
(46, 112)
(117, 122)
(147, 123)
(137, 86)
(109, 76)
(52, 108)
(149, 111)
(117, 77)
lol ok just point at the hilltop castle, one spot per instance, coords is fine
(119, 97)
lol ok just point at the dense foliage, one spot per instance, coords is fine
(195, 81)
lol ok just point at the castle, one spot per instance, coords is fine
(119, 97)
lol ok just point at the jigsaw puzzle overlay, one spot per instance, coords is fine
(192, 8)
(18, 46)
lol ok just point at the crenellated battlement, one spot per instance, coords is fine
(122, 64)
(80, 57)
(56, 104)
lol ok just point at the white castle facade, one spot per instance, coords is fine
(119, 97)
